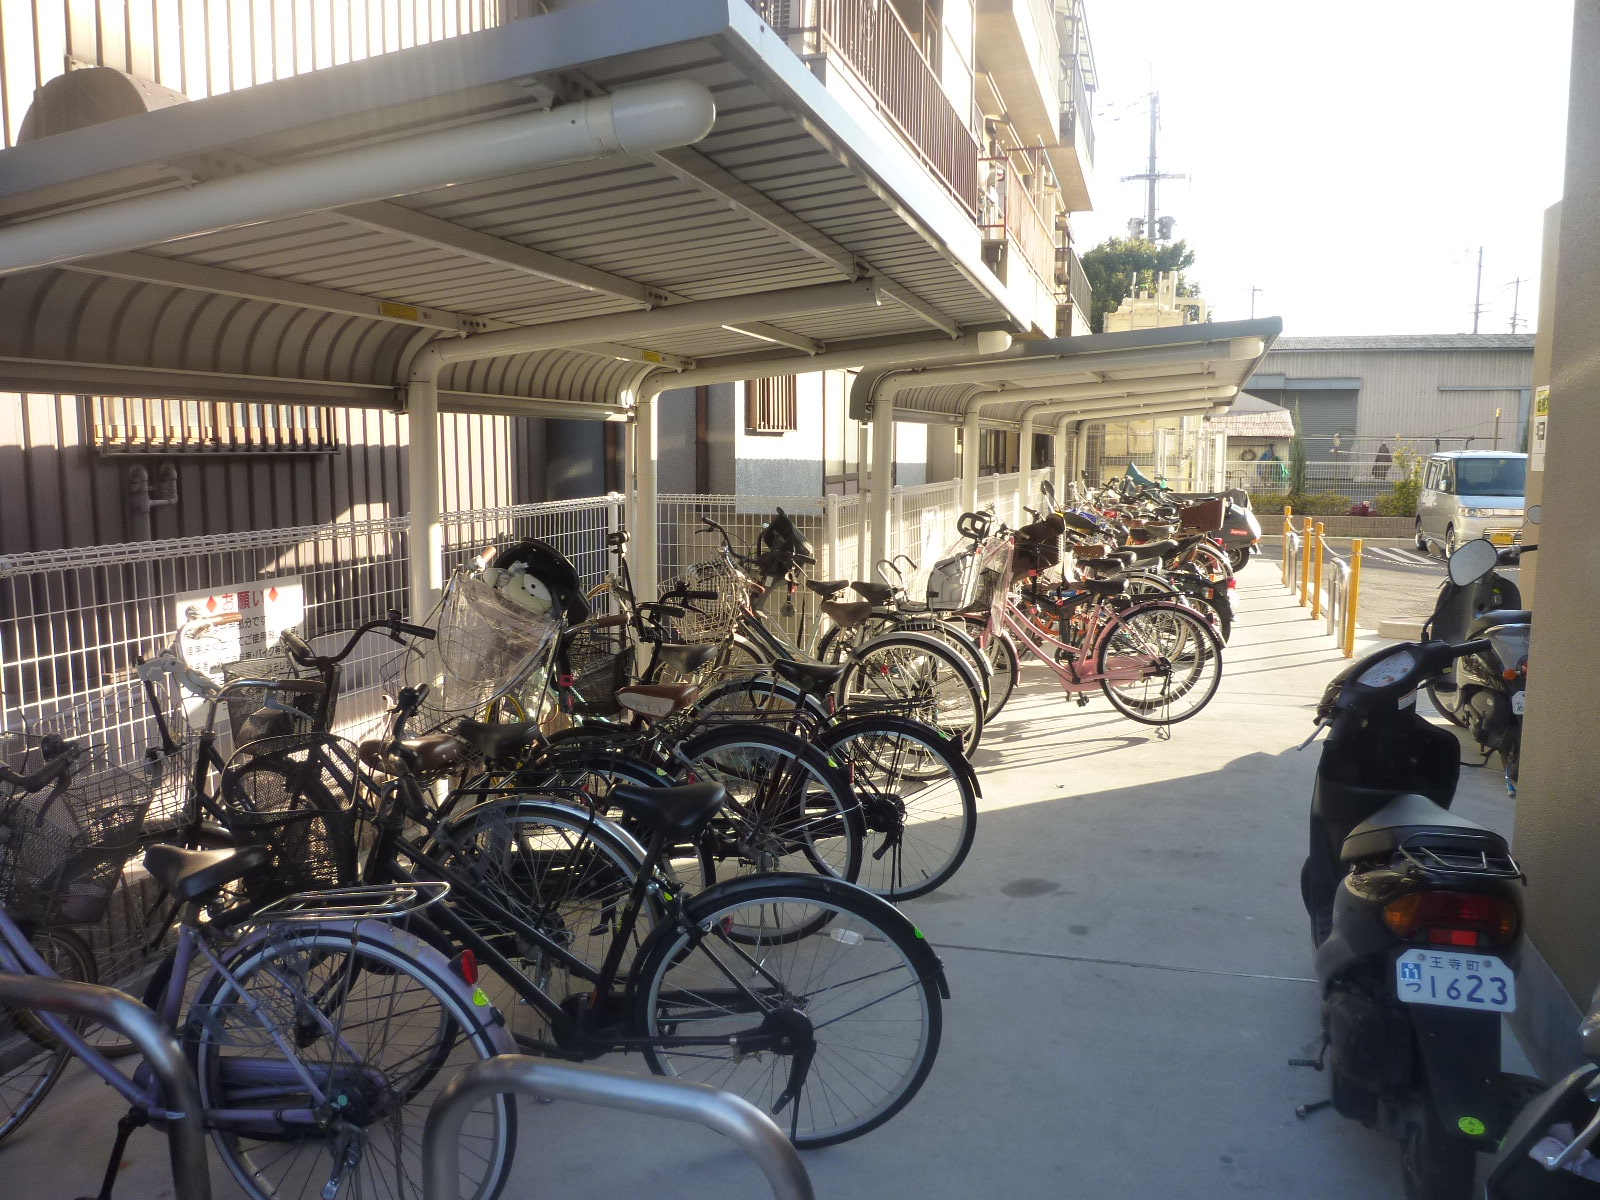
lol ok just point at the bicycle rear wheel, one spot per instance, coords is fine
(919, 803)
(380, 1028)
(31, 1057)
(1161, 662)
(924, 679)
(861, 990)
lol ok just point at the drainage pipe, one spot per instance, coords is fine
(639, 120)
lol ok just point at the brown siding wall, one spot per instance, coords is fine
(56, 490)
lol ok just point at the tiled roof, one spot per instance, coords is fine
(1409, 341)
(1277, 424)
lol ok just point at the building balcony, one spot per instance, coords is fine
(1015, 212)
(1018, 52)
(875, 47)
(1072, 146)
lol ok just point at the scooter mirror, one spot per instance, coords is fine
(1472, 562)
(1535, 513)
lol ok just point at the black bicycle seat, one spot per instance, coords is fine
(827, 588)
(678, 810)
(875, 594)
(817, 678)
(191, 874)
(497, 740)
(686, 657)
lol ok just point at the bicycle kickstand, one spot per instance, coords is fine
(134, 1119)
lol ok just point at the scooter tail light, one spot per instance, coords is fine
(1471, 920)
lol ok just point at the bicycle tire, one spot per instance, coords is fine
(789, 804)
(864, 985)
(919, 803)
(31, 1057)
(1005, 660)
(1188, 666)
(835, 648)
(931, 679)
(345, 980)
(555, 866)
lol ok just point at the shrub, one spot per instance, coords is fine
(1401, 499)
(1306, 504)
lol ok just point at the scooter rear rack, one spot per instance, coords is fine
(1458, 858)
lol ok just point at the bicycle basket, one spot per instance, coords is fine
(62, 848)
(487, 645)
(294, 795)
(713, 617)
(264, 712)
(597, 660)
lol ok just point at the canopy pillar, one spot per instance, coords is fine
(1066, 451)
(970, 429)
(882, 479)
(1025, 496)
(644, 563)
(426, 548)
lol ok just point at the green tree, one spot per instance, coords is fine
(1119, 267)
(1297, 458)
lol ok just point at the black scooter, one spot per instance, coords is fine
(1549, 1151)
(1416, 915)
(1484, 693)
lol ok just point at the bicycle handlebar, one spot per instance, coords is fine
(53, 768)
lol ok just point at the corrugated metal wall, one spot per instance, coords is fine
(1419, 395)
(56, 490)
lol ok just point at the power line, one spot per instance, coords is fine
(1149, 227)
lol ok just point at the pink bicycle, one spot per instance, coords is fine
(1157, 661)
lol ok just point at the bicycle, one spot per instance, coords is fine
(837, 987)
(318, 1031)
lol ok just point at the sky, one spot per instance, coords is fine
(1347, 159)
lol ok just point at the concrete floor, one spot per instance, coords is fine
(1129, 963)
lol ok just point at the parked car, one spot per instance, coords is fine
(1469, 494)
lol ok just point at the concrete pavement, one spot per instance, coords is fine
(1129, 966)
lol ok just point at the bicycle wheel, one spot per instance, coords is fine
(31, 1057)
(789, 806)
(380, 1027)
(924, 678)
(919, 803)
(1162, 663)
(556, 867)
(861, 993)
(1005, 661)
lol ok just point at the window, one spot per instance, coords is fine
(994, 452)
(770, 405)
(124, 425)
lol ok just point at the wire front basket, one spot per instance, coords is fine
(294, 796)
(708, 620)
(597, 659)
(62, 847)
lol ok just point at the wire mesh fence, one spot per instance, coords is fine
(1356, 482)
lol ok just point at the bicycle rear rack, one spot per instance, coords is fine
(675, 1099)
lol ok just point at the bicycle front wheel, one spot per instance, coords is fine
(1160, 663)
(379, 1028)
(31, 1057)
(919, 678)
(860, 995)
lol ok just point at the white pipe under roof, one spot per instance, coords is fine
(639, 120)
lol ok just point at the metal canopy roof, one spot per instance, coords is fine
(1109, 372)
(787, 191)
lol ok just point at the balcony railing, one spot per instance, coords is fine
(1076, 113)
(875, 44)
(1009, 208)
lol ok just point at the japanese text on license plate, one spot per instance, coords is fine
(1455, 980)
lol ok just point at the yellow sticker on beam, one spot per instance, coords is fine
(399, 312)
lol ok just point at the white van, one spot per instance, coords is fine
(1470, 494)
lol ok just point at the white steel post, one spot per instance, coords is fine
(970, 432)
(882, 480)
(830, 533)
(426, 550)
(646, 502)
(1025, 494)
(1065, 451)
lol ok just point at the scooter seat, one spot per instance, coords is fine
(1499, 616)
(1414, 819)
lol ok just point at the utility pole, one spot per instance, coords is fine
(1477, 293)
(1150, 177)
(1254, 292)
(1516, 307)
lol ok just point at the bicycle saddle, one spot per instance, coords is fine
(875, 594)
(679, 810)
(817, 678)
(657, 699)
(1103, 564)
(827, 588)
(496, 740)
(847, 615)
(190, 874)
(433, 752)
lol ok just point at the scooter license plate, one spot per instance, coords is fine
(1455, 979)
(1519, 702)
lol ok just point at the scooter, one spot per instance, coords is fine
(1549, 1151)
(1485, 692)
(1416, 916)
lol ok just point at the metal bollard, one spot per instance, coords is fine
(1288, 542)
(1316, 577)
(1351, 601)
(676, 1099)
(1305, 558)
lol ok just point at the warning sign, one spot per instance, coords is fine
(1538, 434)
(220, 627)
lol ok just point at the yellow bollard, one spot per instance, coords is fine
(1350, 602)
(1316, 578)
(1305, 558)
(1288, 528)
